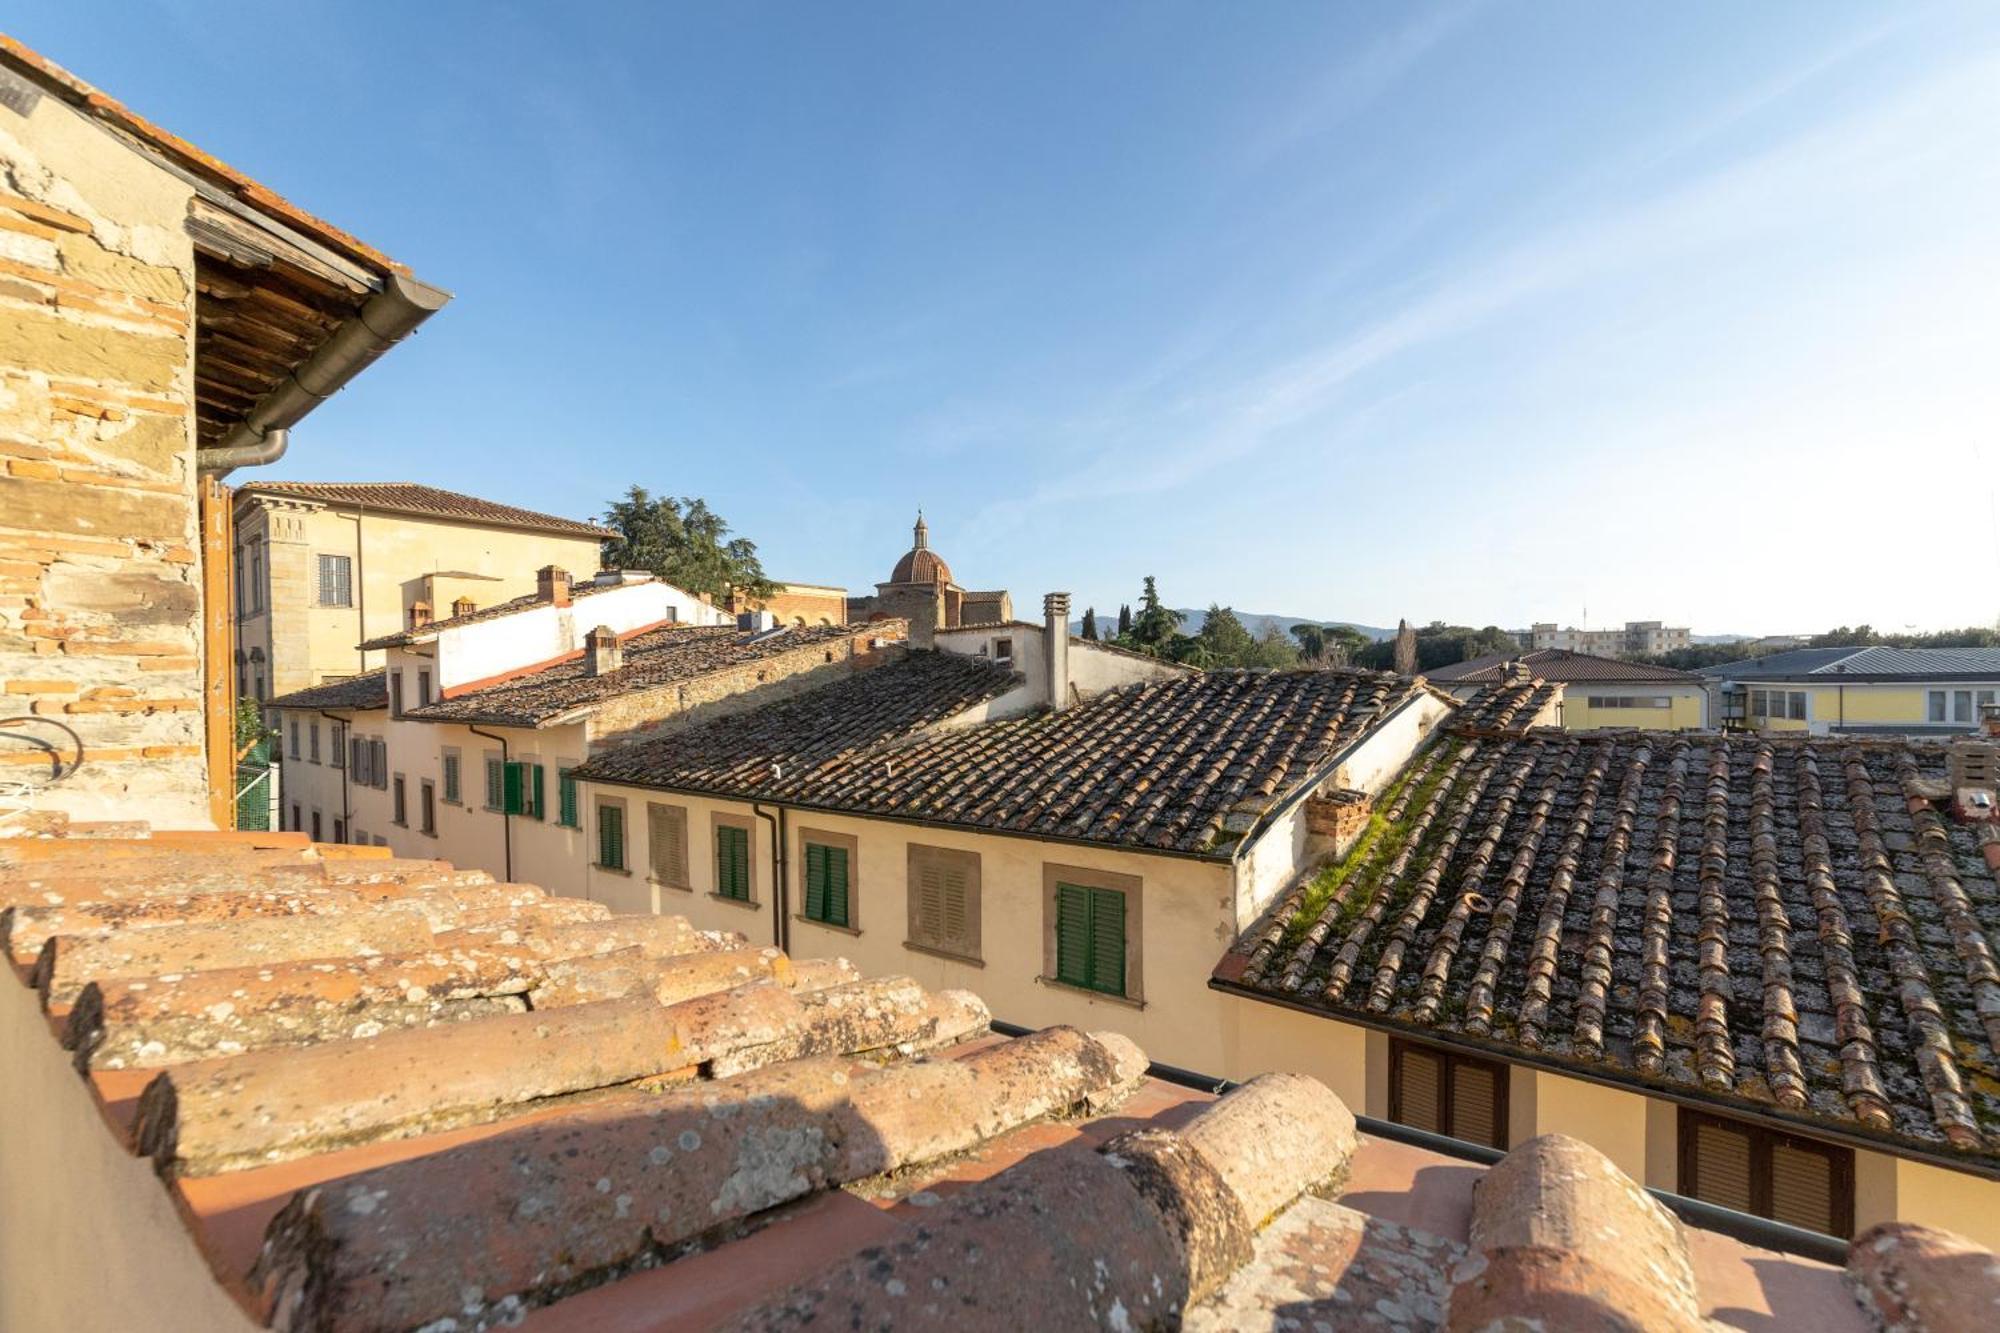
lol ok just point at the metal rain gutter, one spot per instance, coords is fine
(388, 317)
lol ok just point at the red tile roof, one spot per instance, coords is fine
(406, 497)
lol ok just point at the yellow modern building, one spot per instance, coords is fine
(1859, 691)
(324, 566)
(1597, 692)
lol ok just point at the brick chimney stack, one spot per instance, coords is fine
(552, 585)
(464, 606)
(606, 654)
(1055, 650)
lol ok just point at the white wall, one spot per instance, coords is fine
(542, 634)
(1092, 669)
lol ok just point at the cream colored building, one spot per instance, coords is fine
(1596, 691)
(1859, 691)
(323, 566)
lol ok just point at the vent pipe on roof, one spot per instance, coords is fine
(1055, 648)
(389, 316)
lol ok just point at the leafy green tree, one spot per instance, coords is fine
(1090, 623)
(683, 541)
(1124, 621)
(1312, 641)
(1345, 644)
(1222, 639)
(1156, 626)
(1274, 651)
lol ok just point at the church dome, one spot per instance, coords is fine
(921, 564)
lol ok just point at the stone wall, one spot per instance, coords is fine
(100, 593)
(798, 604)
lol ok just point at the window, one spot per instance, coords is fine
(732, 861)
(496, 779)
(398, 805)
(315, 819)
(395, 694)
(449, 761)
(1447, 1093)
(312, 735)
(295, 738)
(566, 798)
(1768, 1173)
(427, 797)
(339, 829)
(827, 868)
(1003, 650)
(260, 686)
(357, 761)
(944, 900)
(337, 742)
(336, 586)
(423, 688)
(1090, 938)
(1630, 701)
(296, 822)
(1778, 704)
(378, 762)
(610, 835)
(666, 842)
(520, 788)
(256, 581)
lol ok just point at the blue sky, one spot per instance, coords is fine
(1476, 311)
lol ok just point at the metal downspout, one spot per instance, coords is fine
(346, 814)
(506, 820)
(781, 932)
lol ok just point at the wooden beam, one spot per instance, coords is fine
(218, 655)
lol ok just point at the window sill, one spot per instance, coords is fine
(750, 904)
(826, 925)
(428, 832)
(659, 883)
(1126, 1000)
(610, 870)
(968, 959)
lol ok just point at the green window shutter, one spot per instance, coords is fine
(1072, 935)
(1107, 941)
(611, 837)
(732, 862)
(535, 805)
(566, 799)
(513, 788)
(495, 780)
(815, 882)
(836, 885)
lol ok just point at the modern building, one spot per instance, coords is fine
(164, 320)
(1638, 638)
(921, 590)
(1597, 691)
(322, 566)
(1753, 970)
(1858, 691)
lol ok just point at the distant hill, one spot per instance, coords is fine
(1255, 622)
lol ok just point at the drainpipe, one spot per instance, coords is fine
(506, 820)
(781, 929)
(388, 317)
(346, 815)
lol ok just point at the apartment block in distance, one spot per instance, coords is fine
(1638, 638)
(322, 566)
(1859, 691)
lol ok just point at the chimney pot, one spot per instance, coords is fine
(464, 606)
(606, 654)
(1055, 648)
(552, 585)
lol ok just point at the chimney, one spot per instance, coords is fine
(606, 654)
(552, 585)
(1989, 719)
(1055, 652)
(464, 606)
(420, 614)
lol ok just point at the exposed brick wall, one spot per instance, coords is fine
(99, 580)
(798, 605)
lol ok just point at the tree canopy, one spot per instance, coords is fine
(682, 541)
(1441, 645)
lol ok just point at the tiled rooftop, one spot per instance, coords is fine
(370, 689)
(1866, 663)
(1789, 926)
(1559, 665)
(657, 657)
(506, 1109)
(1184, 764)
(404, 497)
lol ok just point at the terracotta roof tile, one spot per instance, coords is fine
(1183, 764)
(368, 690)
(1782, 926)
(407, 497)
(564, 1121)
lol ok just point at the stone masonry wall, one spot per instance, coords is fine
(100, 592)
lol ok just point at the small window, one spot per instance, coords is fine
(496, 778)
(566, 798)
(521, 788)
(315, 822)
(295, 738)
(1767, 1173)
(397, 804)
(1003, 650)
(312, 748)
(610, 836)
(450, 764)
(944, 900)
(423, 688)
(1937, 702)
(427, 795)
(297, 824)
(378, 762)
(336, 587)
(337, 742)
(1090, 938)
(666, 843)
(339, 829)
(732, 862)
(1797, 701)
(827, 876)
(357, 761)
(395, 694)
(1961, 705)
(1447, 1093)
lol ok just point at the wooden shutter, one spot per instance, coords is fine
(357, 763)
(1418, 1089)
(1722, 1159)
(955, 908)
(1475, 1103)
(495, 778)
(1072, 935)
(401, 802)
(835, 859)
(732, 861)
(451, 779)
(566, 801)
(611, 837)
(815, 882)
(378, 762)
(930, 913)
(535, 790)
(1107, 941)
(1802, 1186)
(666, 841)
